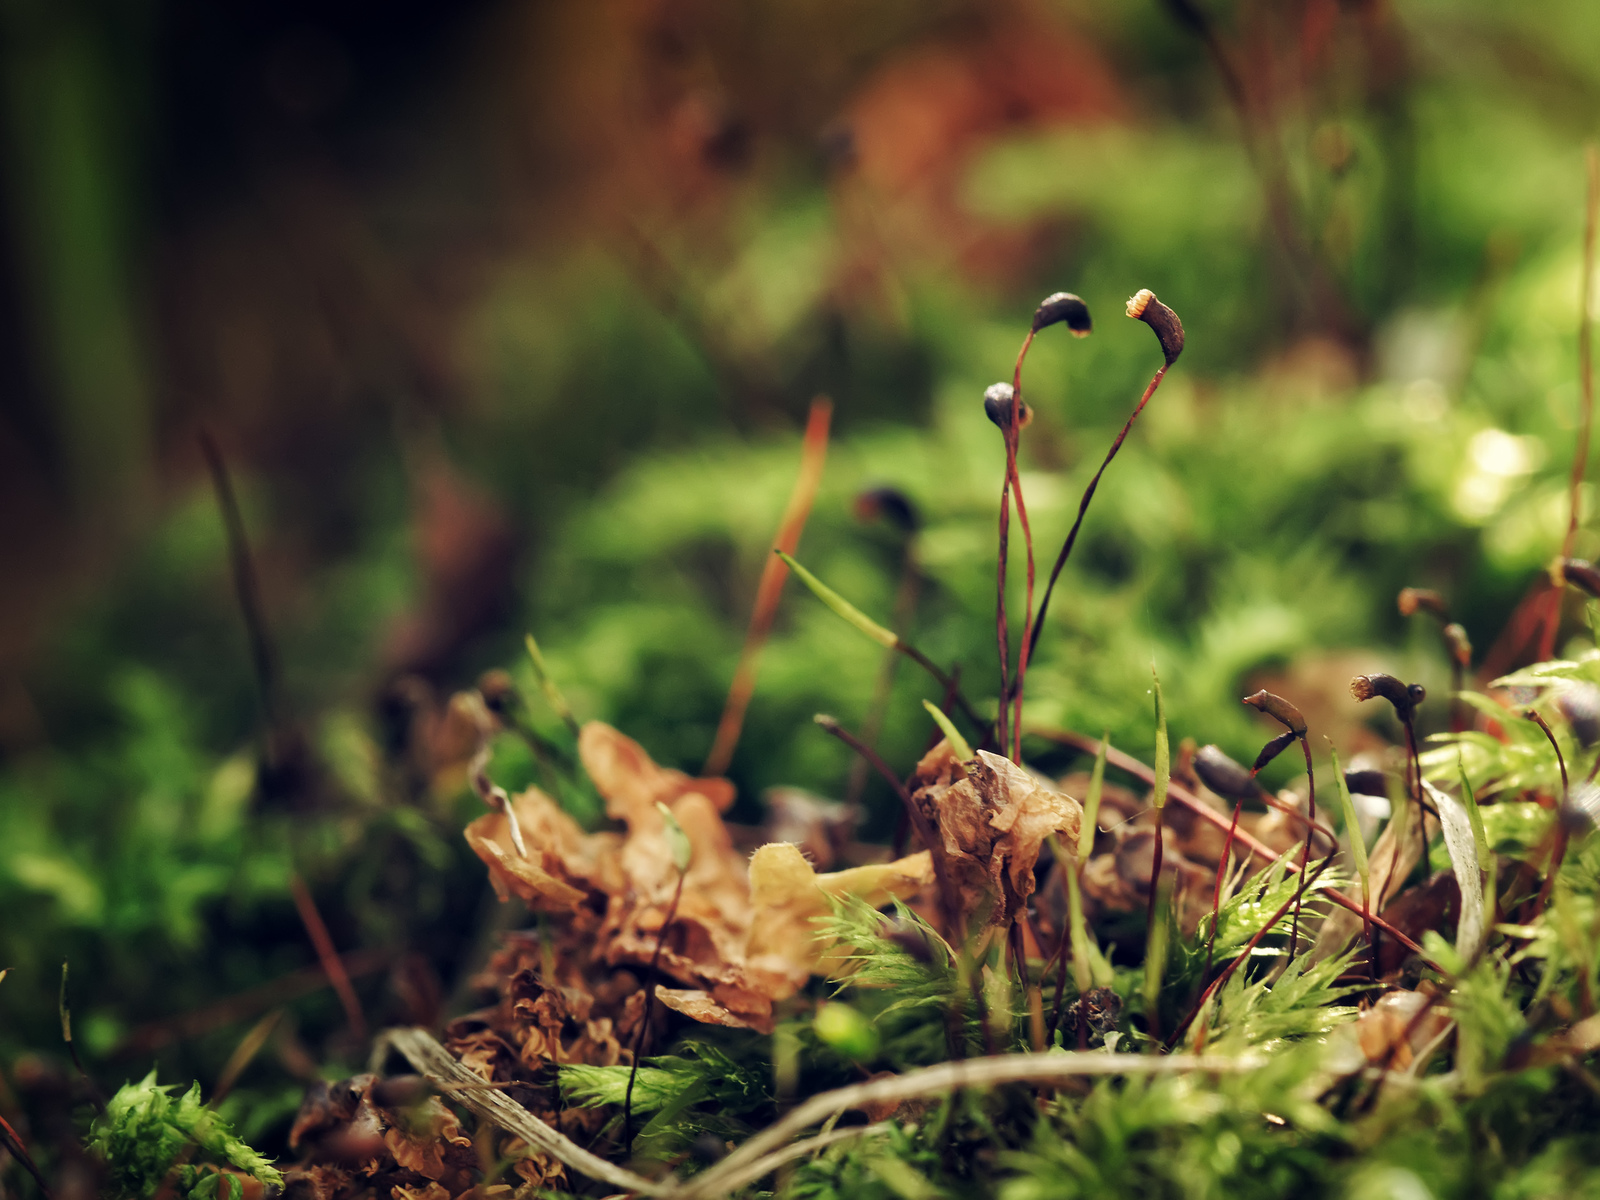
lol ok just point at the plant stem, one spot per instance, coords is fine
(1249, 947)
(1580, 454)
(1126, 762)
(1083, 508)
(774, 572)
(1305, 857)
(649, 1011)
(929, 835)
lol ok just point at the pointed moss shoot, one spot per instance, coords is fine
(1089, 967)
(1004, 406)
(682, 851)
(884, 637)
(1155, 932)
(1294, 723)
(1358, 846)
(958, 744)
(547, 685)
(1169, 333)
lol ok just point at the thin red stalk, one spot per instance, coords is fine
(19, 1150)
(1155, 871)
(1216, 893)
(813, 454)
(1025, 646)
(1249, 947)
(1002, 630)
(1580, 455)
(930, 836)
(1178, 793)
(332, 964)
(1083, 507)
(1311, 777)
(1559, 850)
(649, 1007)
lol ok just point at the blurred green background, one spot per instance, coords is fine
(506, 317)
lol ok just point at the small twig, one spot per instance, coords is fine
(929, 835)
(442, 1069)
(1126, 762)
(763, 1167)
(65, 1010)
(243, 1054)
(1249, 947)
(247, 586)
(1580, 454)
(1559, 851)
(332, 965)
(1051, 1067)
(19, 1151)
(649, 1011)
(813, 454)
(1083, 508)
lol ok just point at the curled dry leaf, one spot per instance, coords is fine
(992, 817)
(350, 1142)
(743, 934)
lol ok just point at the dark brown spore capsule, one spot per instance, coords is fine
(1222, 775)
(1582, 575)
(1273, 748)
(1367, 783)
(890, 503)
(1279, 709)
(997, 406)
(1143, 306)
(1455, 637)
(1404, 698)
(1412, 600)
(1580, 705)
(1063, 307)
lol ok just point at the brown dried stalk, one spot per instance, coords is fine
(813, 454)
(1186, 798)
(1580, 454)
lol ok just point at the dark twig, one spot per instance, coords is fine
(65, 1010)
(332, 964)
(1202, 810)
(813, 453)
(1145, 307)
(1580, 454)
(649, 1011)
(1559, 851)
(1249, 947)
(19, 1151)
(247, 586)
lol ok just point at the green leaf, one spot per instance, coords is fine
(840, 605)
(677, 840)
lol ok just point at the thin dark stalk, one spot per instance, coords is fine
(1083, 508)
(1175, 791)
(19, 1151)
(1580, 455)
(1013, 435)
(649, 1011)
(1002, 627)
(1216, 893)
(1249, 947)
(1559, 850)
(1155, 870)
(1311, 777)
(65, 1011)
(919, 822)
(332, 964)
(246, 584)
(946, 681)
(813, 453)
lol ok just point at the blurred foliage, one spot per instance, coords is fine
(527, 281)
